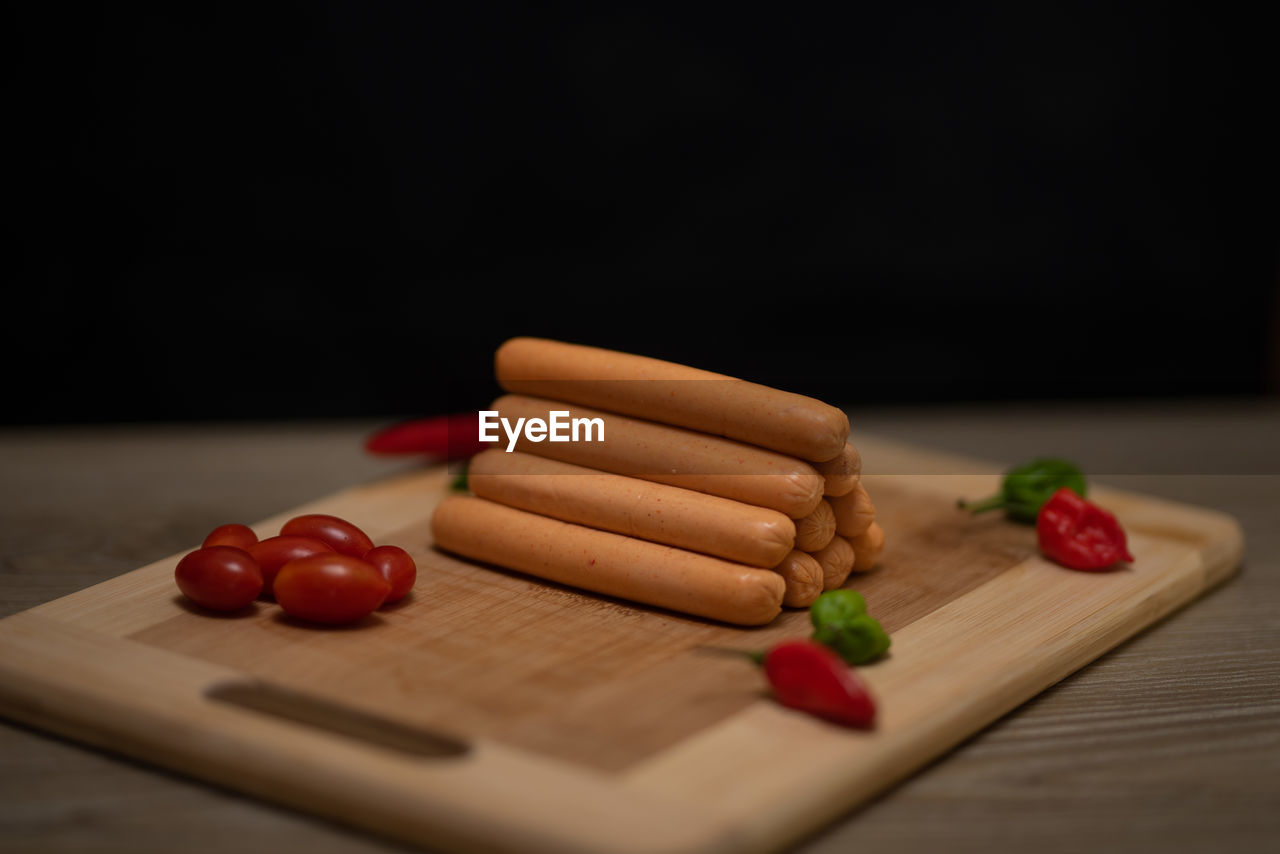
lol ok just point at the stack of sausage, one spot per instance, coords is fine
(707, 495)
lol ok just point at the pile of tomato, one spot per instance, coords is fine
(319, 568)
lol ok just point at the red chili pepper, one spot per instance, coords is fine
(809, 676)
(1079, 534)
(446, 437)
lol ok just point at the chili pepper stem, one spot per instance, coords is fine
(995, 502)
(459, 482)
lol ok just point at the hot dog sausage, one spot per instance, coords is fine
(868, 547)
(607, 563)
(675, 456)
(673, 394)
(739, 532)
(843, 472)
(837, 561)
(814, 531)
(854, 512)
(803, 577)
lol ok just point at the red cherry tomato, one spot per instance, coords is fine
(330, 588)
(396, 566)
(221, 578)
(345, 537)
(235, 534)
(274, 552)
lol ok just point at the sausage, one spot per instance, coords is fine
(814, 531)
(803, 577)
(854, 512)
(675, 456)
(717, 526)
(607, 563)
(868, 547)
(837, 561)
(843, 472)
(673, 394)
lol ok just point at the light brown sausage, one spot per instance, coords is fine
(843, 473)
(837, 561)
(607, 563)
(868, 547)
(814, 531)
(676, 456)
(673, 394)
(854, 512)
(803, 577)
(666, 514)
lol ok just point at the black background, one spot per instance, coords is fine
(297, 210)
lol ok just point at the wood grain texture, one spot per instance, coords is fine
(153, 704)
(573, 681)
(509, 657)
(1161, 745)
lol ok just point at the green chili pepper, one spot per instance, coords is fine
(836, 606)
(857, 641)
(1027, 487)
(840, 621)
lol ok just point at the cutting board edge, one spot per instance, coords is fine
(831, 782)
(436, 802)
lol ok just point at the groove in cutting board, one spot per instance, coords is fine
(296, 707)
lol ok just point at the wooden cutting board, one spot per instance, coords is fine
(494, 712)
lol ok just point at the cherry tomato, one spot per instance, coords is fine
(345, 537)
(274, 552)
(396, 566)
(221, 578)
(330, 588)
(235, 534)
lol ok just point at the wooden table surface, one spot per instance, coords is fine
(1170, 743)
